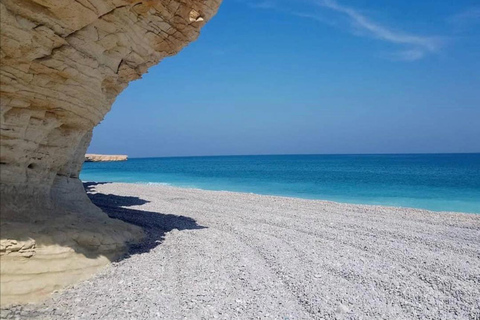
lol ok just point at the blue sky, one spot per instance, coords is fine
(310, 76)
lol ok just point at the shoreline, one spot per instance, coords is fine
(226, 255)
(167, 184)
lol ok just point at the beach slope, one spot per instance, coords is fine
(243, 256)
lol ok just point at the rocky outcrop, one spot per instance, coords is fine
(62, 64)
(104, 157)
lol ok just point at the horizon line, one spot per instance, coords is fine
(307, 154)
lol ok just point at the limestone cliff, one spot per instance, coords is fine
(62, 64)
(104, 157)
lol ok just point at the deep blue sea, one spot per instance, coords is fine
(440, 182)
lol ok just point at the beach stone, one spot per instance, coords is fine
(341, 309)
(63, 63)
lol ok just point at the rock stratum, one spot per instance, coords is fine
(104, 157)
(63, 62)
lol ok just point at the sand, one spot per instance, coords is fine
(224, 255)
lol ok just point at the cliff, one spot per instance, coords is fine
(63, 62)
(104, 157)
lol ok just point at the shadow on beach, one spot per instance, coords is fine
(154, 224)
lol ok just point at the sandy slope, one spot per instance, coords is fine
(243, 256)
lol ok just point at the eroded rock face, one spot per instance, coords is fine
(63, 62)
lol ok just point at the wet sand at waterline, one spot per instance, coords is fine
(225, 255)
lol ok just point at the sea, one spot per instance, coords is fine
(438, 182)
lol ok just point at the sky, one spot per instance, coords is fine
(310, 77)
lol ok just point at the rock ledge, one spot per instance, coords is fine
(104, 158)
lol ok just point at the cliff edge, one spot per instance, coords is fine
(62, 64)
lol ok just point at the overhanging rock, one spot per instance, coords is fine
(63, 62)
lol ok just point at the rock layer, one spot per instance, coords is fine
(63, 62)
(104, 157)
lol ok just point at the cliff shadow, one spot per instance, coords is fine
(110, 200)
(70, 246)
(155, 224)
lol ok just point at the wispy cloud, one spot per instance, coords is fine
(405, 55)
(466, 18)
(379, 31)
(414, 47)
(316, 17)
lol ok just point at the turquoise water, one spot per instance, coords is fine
(440, 182)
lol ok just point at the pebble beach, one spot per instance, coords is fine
(225, 255)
